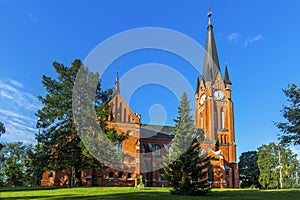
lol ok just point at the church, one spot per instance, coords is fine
(145, 144)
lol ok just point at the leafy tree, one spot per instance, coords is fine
(291, 112)
(186, 166)
(16, 169)
(60, 145)
(269, 166)
(248, 169)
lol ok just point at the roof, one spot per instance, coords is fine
(226, 76)
(211, 65)
(151, 131)
(116, 89)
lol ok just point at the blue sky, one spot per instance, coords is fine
(259, 40)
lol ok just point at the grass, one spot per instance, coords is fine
(132, 194)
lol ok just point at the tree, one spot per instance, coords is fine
(274, 160)
(2, 131)
(291, 128)
(186, 165)
(60, 145)
(2, 128)
(16, 169)
(248, 169)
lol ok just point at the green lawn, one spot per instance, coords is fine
(132, 194)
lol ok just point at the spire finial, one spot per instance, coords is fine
(117, 84)
(209, 14)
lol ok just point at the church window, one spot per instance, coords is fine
(143, 148)
(157, 150)
(216, 118)
(120, 175)
(201, 121)
(118, 149)
(222, 119)
(110, 174)
(120, 113)
(150, 146)
(116, 108)
(125, 115)
(166, 148)
(128, 120)
(227, 173)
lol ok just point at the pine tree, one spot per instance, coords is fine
(59, 145)
(2, 131)
(186, 165)
(2, 128)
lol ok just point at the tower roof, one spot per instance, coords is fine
(198, 85)
(211, 65)
(226, 76)
(117, 85)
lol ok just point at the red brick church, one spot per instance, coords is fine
(146, 143)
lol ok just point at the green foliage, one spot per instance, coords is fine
(16, 165)
(291, 112)
(186, 165)
(59, 144)
(269, 166)
(248, 169)
(2, 128)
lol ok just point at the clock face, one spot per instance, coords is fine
(203, 97)
(219, 95)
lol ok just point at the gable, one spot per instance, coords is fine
(121, 112)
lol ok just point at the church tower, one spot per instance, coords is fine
(214, 113)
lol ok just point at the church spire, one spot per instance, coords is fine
(211, 65)
(117, 85)
(226, 77)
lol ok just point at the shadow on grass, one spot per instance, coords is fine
(156, 194)
(18, 189)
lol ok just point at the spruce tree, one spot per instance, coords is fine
(186, 165)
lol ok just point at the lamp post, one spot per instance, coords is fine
(38, 125)
(280, 167)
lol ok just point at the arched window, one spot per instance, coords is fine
(120, 112)
(150, 146)
(116, 109)
(216, 126)
(166, 148)
(125, 115)
(201, 121)
(157, 150)
(222, 118)
(118, 149)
